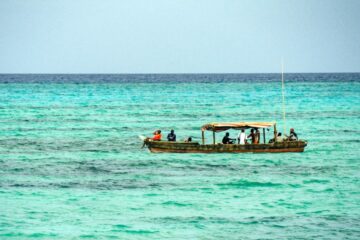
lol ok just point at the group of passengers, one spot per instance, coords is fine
(254, 137)
(292, 137)
(242, 138)
(171, 137)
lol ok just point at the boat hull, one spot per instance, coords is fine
(180, 147)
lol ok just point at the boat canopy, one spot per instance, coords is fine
(219, 127)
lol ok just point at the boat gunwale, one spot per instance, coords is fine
(195, 147)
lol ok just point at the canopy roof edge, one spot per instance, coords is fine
(223, 126)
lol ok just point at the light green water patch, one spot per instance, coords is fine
(72, 166)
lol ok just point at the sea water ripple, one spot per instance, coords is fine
(72, 166)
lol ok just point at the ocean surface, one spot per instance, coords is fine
(72, 166)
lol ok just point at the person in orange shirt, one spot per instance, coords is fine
(157, 136)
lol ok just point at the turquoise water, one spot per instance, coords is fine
(72, 166)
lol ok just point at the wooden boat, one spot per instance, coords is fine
(195, 147)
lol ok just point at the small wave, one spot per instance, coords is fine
(140, 231)
(109, 184)
(121, 226)
(174, 203)
(247, 184)
(315, 181)
(321, 191)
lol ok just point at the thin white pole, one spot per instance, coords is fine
(283, 95)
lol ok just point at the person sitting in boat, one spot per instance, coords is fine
(242, 137)
(293, 136)
(280, 138)
(227, 139)
(252, 136)
(189, 139)
(257, 136)
(157, 136)
(171, 137)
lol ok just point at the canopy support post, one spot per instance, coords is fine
(214, 137)
(203, 137)
(264, 135)
(275, 132)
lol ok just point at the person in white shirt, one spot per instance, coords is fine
(279, 138)
(241, 137)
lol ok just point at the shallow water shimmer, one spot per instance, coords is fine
(72, 166)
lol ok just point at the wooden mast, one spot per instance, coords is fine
(283, 94)
(214, 137)
(203, 137)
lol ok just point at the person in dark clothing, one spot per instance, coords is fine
(171, 137)
(293, 136)
(227, 139)
(252, 136)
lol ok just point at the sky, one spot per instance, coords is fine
(179, 36)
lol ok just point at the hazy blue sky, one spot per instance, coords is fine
(179, 36)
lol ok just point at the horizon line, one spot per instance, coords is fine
(173, 73)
